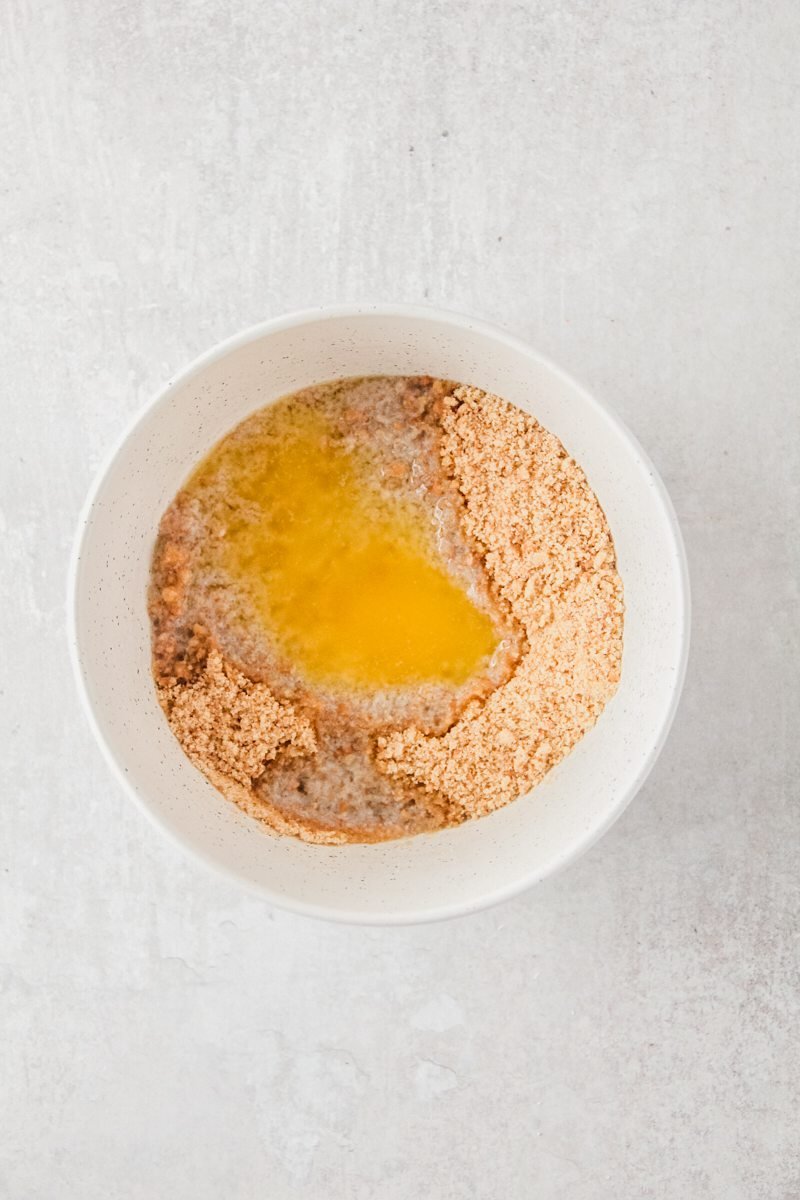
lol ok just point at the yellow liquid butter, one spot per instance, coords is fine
(346, 578)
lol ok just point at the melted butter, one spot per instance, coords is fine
(345, 577)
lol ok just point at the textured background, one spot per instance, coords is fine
(617, 182)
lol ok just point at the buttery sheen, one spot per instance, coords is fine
(344, 574)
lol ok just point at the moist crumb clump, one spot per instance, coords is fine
(516, 524)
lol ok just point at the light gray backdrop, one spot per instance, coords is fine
(618, 183)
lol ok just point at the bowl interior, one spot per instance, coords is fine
(432, 875)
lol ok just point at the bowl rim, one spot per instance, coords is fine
(315, 315)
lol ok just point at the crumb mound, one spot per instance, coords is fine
(230, 726)
(548, 548)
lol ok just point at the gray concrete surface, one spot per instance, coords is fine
(616, 182)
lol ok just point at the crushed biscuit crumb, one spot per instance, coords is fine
(232, 726)
(548, 549)
(519, 524)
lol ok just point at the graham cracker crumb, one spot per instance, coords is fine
(548, 549)
(517, 523)
(230, 726)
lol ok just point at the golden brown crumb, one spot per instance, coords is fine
(327, 769)
(548, 549)
(231, 726)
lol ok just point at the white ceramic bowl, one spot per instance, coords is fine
(430, 876)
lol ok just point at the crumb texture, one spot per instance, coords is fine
(515, 522)
(548, 548)
(231, 726)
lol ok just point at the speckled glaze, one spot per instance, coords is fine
(431, 876)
